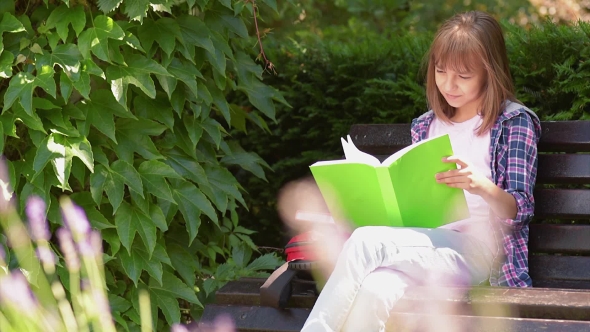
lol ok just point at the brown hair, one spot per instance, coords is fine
(462, 43)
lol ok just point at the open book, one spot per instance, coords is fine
(400, 191)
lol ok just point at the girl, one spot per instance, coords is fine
(471, 96)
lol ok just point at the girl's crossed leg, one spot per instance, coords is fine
(358, 285)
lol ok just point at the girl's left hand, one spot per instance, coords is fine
(466, 177)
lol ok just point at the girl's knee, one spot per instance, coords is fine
(363, 234)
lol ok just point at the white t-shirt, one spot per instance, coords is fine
(476, 151)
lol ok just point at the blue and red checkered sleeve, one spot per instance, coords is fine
(521, 167)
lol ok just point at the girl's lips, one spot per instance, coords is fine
(451, 96)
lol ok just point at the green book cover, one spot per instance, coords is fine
(401, 191)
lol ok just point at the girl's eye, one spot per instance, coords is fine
(465, 77)
(439, 71)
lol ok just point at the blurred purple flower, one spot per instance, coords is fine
(15, 291)
(45, 255)
(178, 328)
(102, 306)
(91, 246)
(75, 219)
(68, 249)
(36, 214)
(221, 323)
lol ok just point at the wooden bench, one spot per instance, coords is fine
(559, 255)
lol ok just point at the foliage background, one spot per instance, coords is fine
(352, 70)
(122, 105)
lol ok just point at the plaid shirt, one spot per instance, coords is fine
(513, 151)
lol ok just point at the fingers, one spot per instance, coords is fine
(455, 159)
(456, 179)
(453, 173)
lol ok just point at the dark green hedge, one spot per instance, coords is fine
(369, 79)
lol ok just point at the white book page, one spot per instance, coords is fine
(352, 153)
(391, 159)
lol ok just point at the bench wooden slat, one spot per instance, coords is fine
(563, 284)
(564, 168)
(499, 301)
(566, 239)
(553, 267)
(259, 319)
(558, 136)
(429, 322)
(562, 203)
(246, 291)
(565, 136)
(532, 303)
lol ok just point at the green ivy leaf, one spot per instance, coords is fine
(213, 128)
(194, 130)
(233, 23)
(158, 109)
(164, 31)
(21, 87)
(100, 110)
(60, 150)
(133, 137)
(195, 32)
(247, 69)
(272, 4)
(186, 166)
(168, 305)
(108, 5)
(221, 102)
(238, 117)
(249, 161)
(136, 9)
(66, 86)
(131, 220)
(95, 39)
(265, 262)
(9, 23)
(129, 175)
(137, 73)
(154, 180)
(45, 80)
(226, 3)
(260, 95)
(182, 262)
(67, 56)
(186, 73)
(97, 219)
(118, 304)
(44, 154)
(191, 202)
(103, 180)
(6, 60)
(17, 113)
(174, 287)
(222, 179)
(62, 16)
(138, 261)
(158, 218)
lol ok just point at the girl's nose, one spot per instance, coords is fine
(449, 84)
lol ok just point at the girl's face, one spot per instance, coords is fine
(462, 90)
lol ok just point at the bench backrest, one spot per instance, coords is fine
(559, 242)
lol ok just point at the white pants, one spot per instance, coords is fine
(378, 263)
